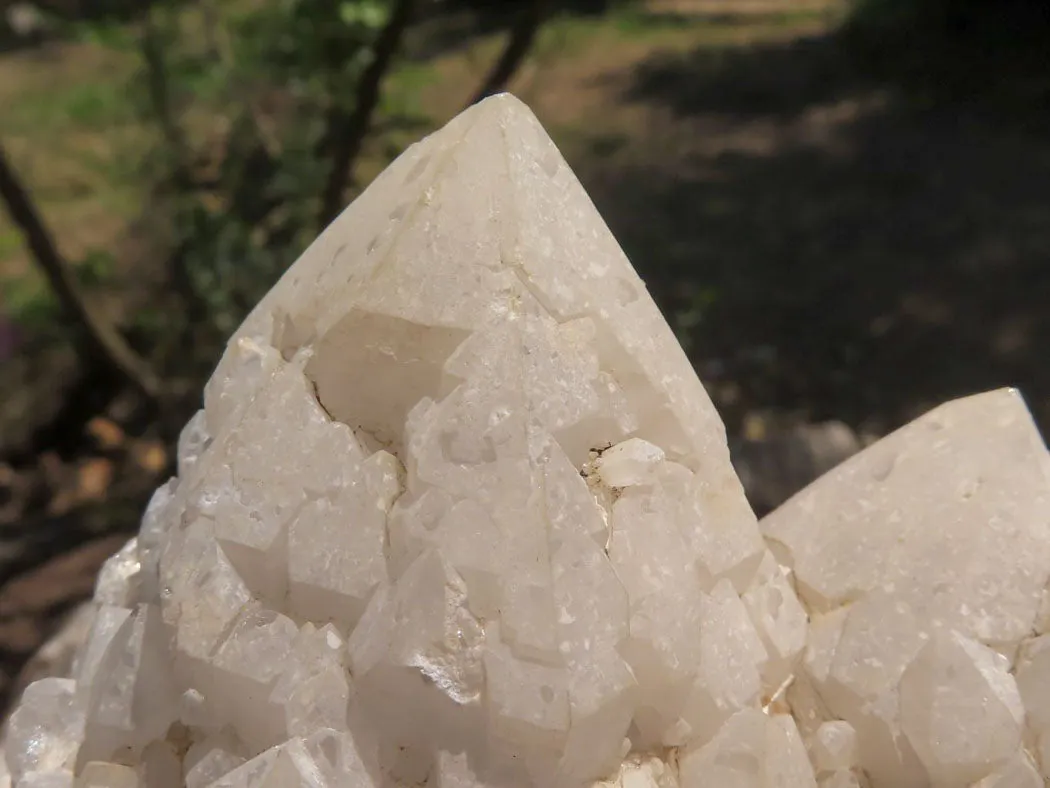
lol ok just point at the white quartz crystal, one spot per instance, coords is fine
(834, 747)
(924, 562)
(45, 730)
(457, 513)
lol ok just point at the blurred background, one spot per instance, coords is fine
(841, 206)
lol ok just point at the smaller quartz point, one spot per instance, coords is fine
(211, 758)
(341, 759)
(834, 747)
(629, 463)
(780, 621)
(161, 766)
(960, 709)
(1018, 772)
(60, 779)
(327, 759)
(193, 440)
(453, 771)
(132, 700)
(204, 595)
(109, 620)
(333, 578)
(731, 657)
(245, 670)
(314, 689)
(752, 750)
(119, 577)
(151, 538)
(642, 772)
(262, 771)
(97, 774)
(45, 731)
(843, 778)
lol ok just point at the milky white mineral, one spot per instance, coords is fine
(458, 513)
(924, 562)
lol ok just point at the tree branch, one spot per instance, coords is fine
(519, 42)
(345, 131)
(102, 340)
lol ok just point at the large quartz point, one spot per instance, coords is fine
(924, 563)
(457, 513)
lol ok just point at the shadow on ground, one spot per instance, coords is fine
(824, 244)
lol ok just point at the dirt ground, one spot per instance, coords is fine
(825, 245)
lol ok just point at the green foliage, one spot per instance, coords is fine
(104, 34)
(28, 303)
(97, 268)
(269, 73)
(637, 20)
(10, 242)
(315, 48)
(86, 105)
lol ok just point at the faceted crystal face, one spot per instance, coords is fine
(924, 562)
(458, 513)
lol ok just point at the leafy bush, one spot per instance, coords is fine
(242, 203)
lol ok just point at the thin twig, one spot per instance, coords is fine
(103, 340)
(346, 131)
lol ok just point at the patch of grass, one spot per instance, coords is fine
(10, 242)
(403, 97)
(634, 20)
(71, 127)
(637, 20)
(566, 35)
(95, 99)
(27, 302)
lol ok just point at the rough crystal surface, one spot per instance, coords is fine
(457, 513)
(924, 561)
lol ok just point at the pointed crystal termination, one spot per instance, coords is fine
(924, 562)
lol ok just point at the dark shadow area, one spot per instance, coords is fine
(829, 245)
(776, 79)
(957, 50)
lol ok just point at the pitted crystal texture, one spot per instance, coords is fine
(458, 513)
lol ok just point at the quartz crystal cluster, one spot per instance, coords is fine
(457, 513)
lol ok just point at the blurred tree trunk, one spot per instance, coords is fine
(346, 131)
(102, 340)
(519, 42)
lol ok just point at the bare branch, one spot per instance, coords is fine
(346, 131)
(519, 42)
(103, 341)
